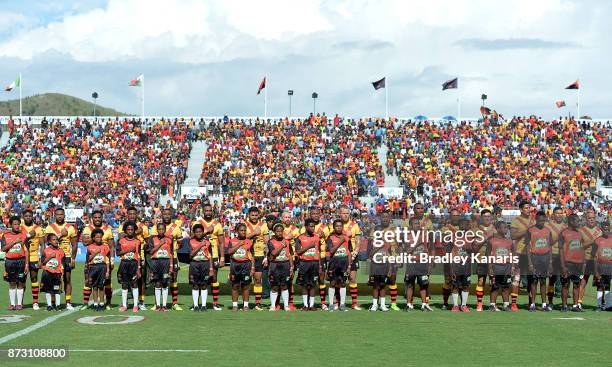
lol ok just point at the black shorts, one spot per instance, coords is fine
(308, 273)
(199, 273)
(461, 281)
(177, 265)
(556, 263)
(51, 282)
(605, 270)
(482, 269)
(462, 270)
(259, 264)
(336, 270)
(416, 269)
(33, 266)
(574, 274)
(377, 281)
(501, 281)
(160, 270)
(14, 270)
(590, 268)
(126, 274)
(355, 265)
(540, 266)
(421, 280)
(379, 269)
(97, 275)
(215, 262)
(66, 264)
(523, 263)
(279, 274)
(240, 273)
(502, 269)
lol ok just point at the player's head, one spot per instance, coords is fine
(278, 230)
(15, 222)
(60, 215)
(525, 208)
(96, 218)
(167, 215)
(558, 214)
(132, 214)
(129, 228)
(486, 217)
(419, 210)
(605, 227)
(385, 219)
(207, 211)
(28, 216)
(286, 217)
(590, 217)
(338, 226)
(540, 218)
(344, 213)
(310, 224)
(52, 240)
(198, 231)
(464, 224)
(414, 223)
(253, 214)
(502, 228)
(314, 212)
(161, 229)
(455, 215)
(241, 230)
(573, 221)
(96, 236)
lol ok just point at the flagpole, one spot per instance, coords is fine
(266, 97)
(142, 99)
(578, 104)
(387, 99)
(20, 109)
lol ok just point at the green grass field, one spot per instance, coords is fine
(297, 338)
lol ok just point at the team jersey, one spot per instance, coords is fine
(141, 237)
(258, 242)
(603, 250)
(555, 230)
(539, 243)
(345, 248)
(244, 251)
(322, 230)
(284, 254)
(487, 232)
(98, 254)
(351, 230)
(106, 237)
(573, 249)
(164, 251)
(133, 246)
(589, 234)
(304, 240)
(55, 256)
(65, 243)
(19, 249)
(521, 225)
(426, 223)
(33, 243)
(203, 254)
(500, 248)
(214, 236)
(292, 232)
(173, 231)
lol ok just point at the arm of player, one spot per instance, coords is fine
(562, 255)
(73, 245)
(4, 245)
(300, 250)
(154, 247)
(197, 249)
(221, 248)
(528, 251)
(488, 253)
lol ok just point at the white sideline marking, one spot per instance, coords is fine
(36, 326)
(569, 318)
(138, 350)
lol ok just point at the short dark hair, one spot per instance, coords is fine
(253, 209)
(97, 231)
(127, 224)
(197, 226)
(308, 222)
(523, 203)
(97, 211)
(14, 218)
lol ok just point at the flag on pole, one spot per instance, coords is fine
(451, 84)
(574, 85)
(262, 85)
(379, 83)
(560, 104)
(16, 83)
(136, 82)
(485, 110)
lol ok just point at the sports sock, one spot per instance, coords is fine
(19, 296)
(354, 291)
(12, 295)
(235, 304)
(204, 296)
(35, 291)
(135, 295)
(506, 304)
(164, 296)
(285, 296)
(479, 294)
(455, 299)
(305, 300)
(290, 295)
(215, 293)
(513, 297)
(58, 300)
(141, 292)
(195, 294)
(550, 293)
(174, 289)
(464, 297)
(322, 293)
(608, 299)
(375, 302)
(245, 304)
(332, 294)
(158, 292)
(600, 298)
(273, 298)
(86, 295)
(445, 294)
(69, 298)
(312, 299)
(382, 301)
(124, 295)
(393, 293)
(343, 296)
(108, 292)
(257, 289)
(48, 297)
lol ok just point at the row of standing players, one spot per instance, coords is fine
(316, 253)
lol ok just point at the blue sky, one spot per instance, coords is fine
(207, 57)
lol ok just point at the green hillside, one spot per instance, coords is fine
(54, 104)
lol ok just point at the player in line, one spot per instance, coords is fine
(201, 268)
(129, 268)
(280, 269)
(13, 243)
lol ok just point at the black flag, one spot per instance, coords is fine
(450, 84)
(379, 83)
(574, 85)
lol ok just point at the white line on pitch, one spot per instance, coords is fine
(569, 318)
(138, 350)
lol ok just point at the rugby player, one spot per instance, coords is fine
(213, 230)
(161, 250)
(291, 232)
(590, 232)
(34, 234)
(173, 232)
(500, 272)
(99, 267)
(308, 250)
(16, 263)
(51, 279)
(353, 233)
(416, 271)
(556, 226)
(280, 269)
(129, 268)
(460, 273)
(339, 264)
(573, 264)
(539, 256)
(482, 269)
(142, 234)
(108, 240)
(201, 267)
(602, 267)
(425, 224)
(518, 229)
(67, 236)
(323, 231)
(257, 233)
(452, 227)
(382, 273)
(242, 266)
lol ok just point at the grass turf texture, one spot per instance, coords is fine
(298, 338)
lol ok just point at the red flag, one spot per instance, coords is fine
(262, 85)
(560, 104)
(574, 85)
(485, 110)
